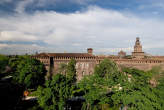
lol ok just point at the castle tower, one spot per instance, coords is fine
(138, 46)
(90, 51)
(138, 53)
(121, 54)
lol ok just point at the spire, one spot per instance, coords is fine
(137, 41)
(138, 46)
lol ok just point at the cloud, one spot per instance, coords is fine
(21, 6)
(140, 7)
(114, 50)
(104, 30)
(5, 1)
(3, 45)
(156, 6)
(21, 49)
(50, 2)
(27, 4)
(16, 36)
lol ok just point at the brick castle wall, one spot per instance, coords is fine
(86, 62)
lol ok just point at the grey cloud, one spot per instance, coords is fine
(5, 1)
(106, 31)
(21, 6)
(14, 49)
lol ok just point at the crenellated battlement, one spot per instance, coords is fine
(86, 62)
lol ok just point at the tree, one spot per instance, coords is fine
(157, 83)
(63, 68)
(55, 93)
(98, 87)
(14, 62)
(159, 92)
(71, 71)
(128, 88)
(106, 68)
(30, 72)
(58, 89)
(10, 93)
(136, 93)
(3, 65)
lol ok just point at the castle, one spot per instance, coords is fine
(85, 62)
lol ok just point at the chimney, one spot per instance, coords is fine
(90, 51)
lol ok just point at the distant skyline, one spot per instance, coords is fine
(107, 26)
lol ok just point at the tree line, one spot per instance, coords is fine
(109, 88)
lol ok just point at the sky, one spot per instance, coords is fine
(107, 26)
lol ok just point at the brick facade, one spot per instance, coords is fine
(85, 62)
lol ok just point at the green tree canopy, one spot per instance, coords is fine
(63, 68)
(106, 68)
(109, 87)
(98, 87)
(159, 92)
(57, 90)
(3, 63)
(157, 81)
(137, 93)
(126, 88)
(55, 93)
(71, 71)
(29, 72)
(14, 61)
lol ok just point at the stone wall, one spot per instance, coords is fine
(142, 64)
(83, 66)
(86, 65)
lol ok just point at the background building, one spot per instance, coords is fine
(86, 62)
